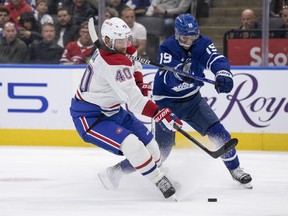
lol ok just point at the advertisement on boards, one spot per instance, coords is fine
(39, 98)
(248, 52)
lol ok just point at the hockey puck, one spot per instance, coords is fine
(212, 199)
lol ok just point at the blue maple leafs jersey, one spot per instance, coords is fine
(168, 87)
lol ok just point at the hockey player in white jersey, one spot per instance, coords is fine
(107, 83)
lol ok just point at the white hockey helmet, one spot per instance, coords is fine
(115, 28)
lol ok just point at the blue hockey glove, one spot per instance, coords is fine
(224, 81)
(167, 119)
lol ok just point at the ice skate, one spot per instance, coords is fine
(166, 188)
(242, 177)
(110, 178)
(175, 183)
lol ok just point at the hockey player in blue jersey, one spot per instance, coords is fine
(99, 118)
(192, 52)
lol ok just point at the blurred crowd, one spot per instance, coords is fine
(278, 23)
(56, 31)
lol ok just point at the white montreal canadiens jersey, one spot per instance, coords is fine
(108, 82)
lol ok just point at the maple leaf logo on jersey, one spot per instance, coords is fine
(119, 130)
(183, 86)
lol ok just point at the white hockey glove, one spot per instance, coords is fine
(166, 119)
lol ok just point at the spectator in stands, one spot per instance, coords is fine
(81, 11)
(276, 6)
(79, 52)
(40, 12)
(138, 31)
(168, 9)
(284, 15)
(249, 22)
(110, 12)
(93, 4)
(16, 8)
(118, 5)
(4, 18)
(54, 5)
(46, 51)
(30, 28)
(66, 29)
(32, 3)
(139, 6)
(12, 49)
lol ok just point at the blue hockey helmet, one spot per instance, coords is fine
(186, 27)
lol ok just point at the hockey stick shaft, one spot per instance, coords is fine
(148, 62)
(215, 154)
(99, 45)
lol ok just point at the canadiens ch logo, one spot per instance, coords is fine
(119, 130)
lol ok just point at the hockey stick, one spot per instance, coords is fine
(101, 46)
(215, 154)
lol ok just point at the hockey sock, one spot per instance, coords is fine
(153, 149)
(140, 158)
(219, 136)
(165, 141)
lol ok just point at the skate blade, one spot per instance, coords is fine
(248, 185)
(173, 198)
(105, 182)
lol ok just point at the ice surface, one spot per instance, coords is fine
(42, 181)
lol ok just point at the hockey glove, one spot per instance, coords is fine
(144, 88)
(224, 81)
(166, 119)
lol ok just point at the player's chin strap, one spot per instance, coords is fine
(101, 46)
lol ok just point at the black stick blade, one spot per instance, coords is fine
(225, 148)
(215, 154)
